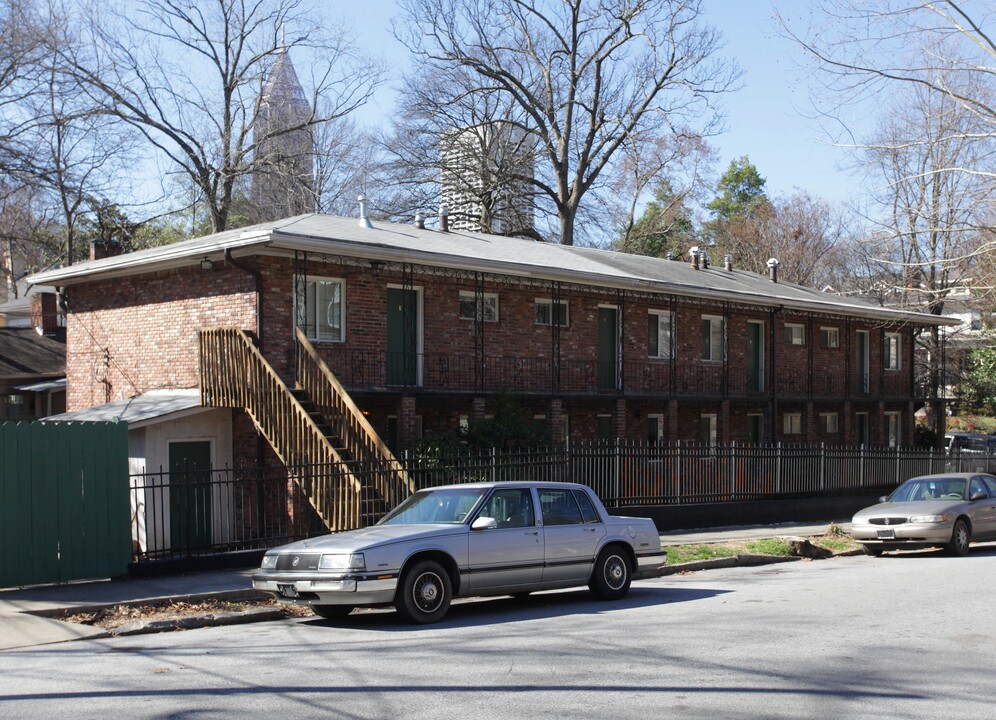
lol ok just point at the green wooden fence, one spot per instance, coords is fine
(64, 507)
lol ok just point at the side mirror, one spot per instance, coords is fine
(884, 498)
(979, 495)
(484, 523)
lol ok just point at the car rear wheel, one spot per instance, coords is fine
(424, 594)
(961, 537)
(875, 550)
(612, 575)
(332, 612)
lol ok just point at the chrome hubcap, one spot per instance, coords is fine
(615, 572)
(427, 592)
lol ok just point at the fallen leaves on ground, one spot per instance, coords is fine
(112, 617)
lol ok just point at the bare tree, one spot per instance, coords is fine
(678, 169)
(189, 77)
(865, 49)
(581, 76)
(21, 43)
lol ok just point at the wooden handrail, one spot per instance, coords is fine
(235, 374)
(356, 432)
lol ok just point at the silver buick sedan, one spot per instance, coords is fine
(950, 510)
(460, 540)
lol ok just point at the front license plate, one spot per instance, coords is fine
(886, 534)
(287, 591)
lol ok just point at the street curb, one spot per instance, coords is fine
(59, 613)
(741, 560)
(145, 627)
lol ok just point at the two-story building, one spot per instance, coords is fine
(418, 330)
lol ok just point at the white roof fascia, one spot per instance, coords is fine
(153, 260)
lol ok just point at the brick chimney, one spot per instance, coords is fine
(45, 315)
(100, 249)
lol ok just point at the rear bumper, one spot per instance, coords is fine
(647, 565)
(319, 590)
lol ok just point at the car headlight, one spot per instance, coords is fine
(928, 519)
(858, 520)
(355, 561)
(269, 562)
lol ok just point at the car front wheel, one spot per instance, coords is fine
(424, 594)
(961, 537)
(612, 575)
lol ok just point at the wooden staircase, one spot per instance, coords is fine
(329, 448)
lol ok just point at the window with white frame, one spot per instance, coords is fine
(708, 429)
(483, 308)
(659, 337)
(795, 334)
(321, 316)
(792, 424)
(829, 337)
(893, 360)
(713, 338)
(545, 314)
(893, 428)
(828, 423)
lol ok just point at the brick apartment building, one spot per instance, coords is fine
(423, 327)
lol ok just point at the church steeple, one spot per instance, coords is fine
(283, 180)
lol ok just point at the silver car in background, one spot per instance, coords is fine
(460, 540)
(949, 510)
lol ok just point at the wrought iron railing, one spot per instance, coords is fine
(204, 513)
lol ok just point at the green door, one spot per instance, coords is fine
(861, 364)
(402, 339)
(190, 494)
(608, 343)
(755, 357)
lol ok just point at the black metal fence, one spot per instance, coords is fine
(199, 513)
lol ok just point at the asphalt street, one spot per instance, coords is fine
(907, 636)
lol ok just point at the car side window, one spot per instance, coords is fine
(559, 507)
(587, 509)
(991, 485)
(512, 508)
(977, 486)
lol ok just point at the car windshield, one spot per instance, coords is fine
(940, 488)
(435, 506)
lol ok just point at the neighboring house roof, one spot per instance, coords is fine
(478, 252)
(153, 407)
(25, 353)
(44, 386)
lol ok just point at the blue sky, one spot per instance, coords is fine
(763, 118)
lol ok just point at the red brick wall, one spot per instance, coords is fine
(127, 336)
(148, 327)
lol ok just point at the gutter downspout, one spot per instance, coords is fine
(258, 277)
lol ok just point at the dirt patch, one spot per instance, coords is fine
(111, 618)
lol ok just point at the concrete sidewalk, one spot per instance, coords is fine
(25, 614)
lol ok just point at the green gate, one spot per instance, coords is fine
(64, 502)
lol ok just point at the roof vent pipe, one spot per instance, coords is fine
(694, 252)
(364, 220)
(728, 263)
(420, 221)
(705, 259)
(444, 219)
(773, 269)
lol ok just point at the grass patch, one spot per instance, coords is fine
(677, 554)
(768, 546)
(836, 540)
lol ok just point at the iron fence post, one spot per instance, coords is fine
(778, 469)
(823, 460)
